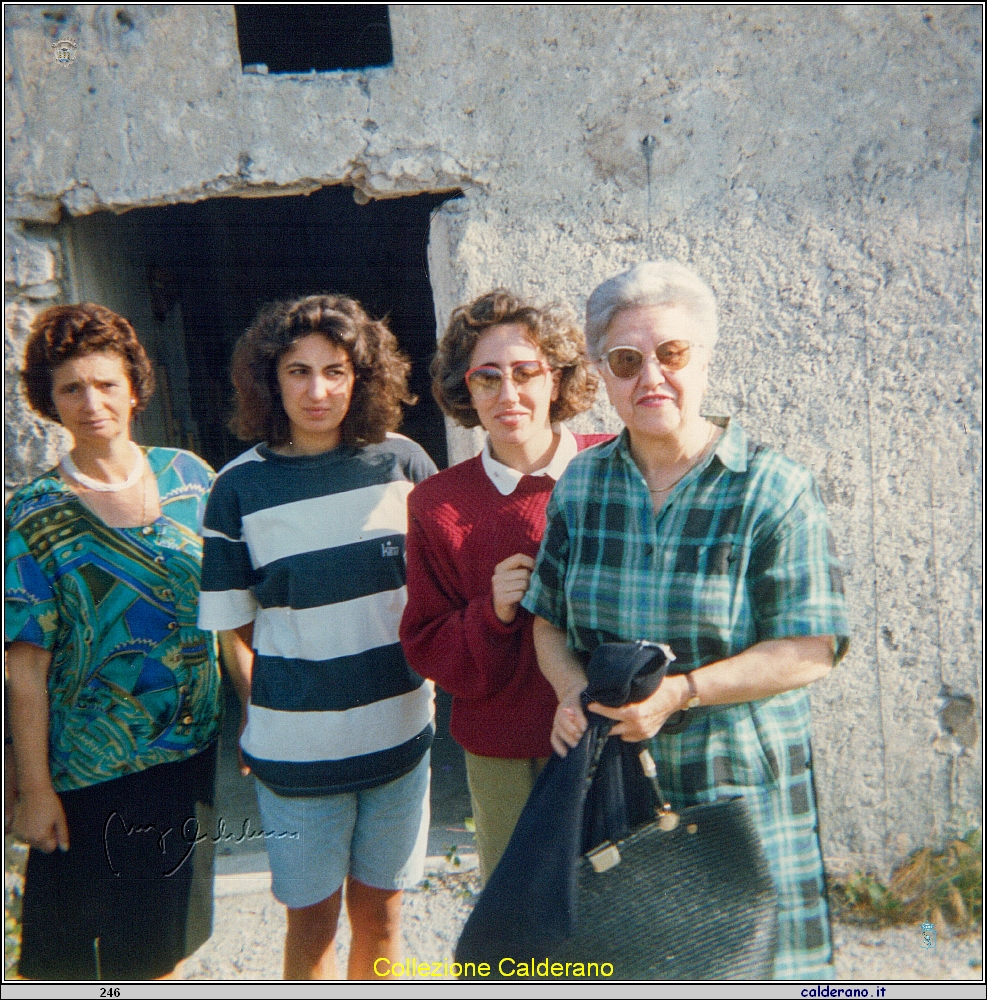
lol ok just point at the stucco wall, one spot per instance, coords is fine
(820, 166)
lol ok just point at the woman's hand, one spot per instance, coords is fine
(643, 719)
(767, 668)
(564, 671)
(238, 655)
(39, 820)
(569, 723)
(510, 583)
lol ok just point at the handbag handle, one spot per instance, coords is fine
(668, 819)
(621, 673)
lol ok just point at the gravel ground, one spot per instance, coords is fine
(249, 933)
(249, 926)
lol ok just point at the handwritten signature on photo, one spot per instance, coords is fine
(190, 834)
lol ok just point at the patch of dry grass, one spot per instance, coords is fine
(944, 886)
(15, 862)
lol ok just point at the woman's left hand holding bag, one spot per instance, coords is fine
(765, 669)
(641, 720)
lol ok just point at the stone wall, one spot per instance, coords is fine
(820, 166)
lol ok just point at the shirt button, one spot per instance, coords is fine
(148, 529)
(159, 559)
(172, 626)
(167, 594)
(183, 690)
(187, 720)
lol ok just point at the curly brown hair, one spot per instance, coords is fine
(380, 369)
(553, 331)
(62, 333)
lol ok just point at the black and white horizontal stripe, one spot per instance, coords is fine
(333, 685)
(359, 515)
(312, 552)
(347, 775)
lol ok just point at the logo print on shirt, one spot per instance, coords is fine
(389, 549)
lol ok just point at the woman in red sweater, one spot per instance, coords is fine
(474, 532)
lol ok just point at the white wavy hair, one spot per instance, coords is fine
(653, 283)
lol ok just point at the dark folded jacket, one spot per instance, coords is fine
(528, 906)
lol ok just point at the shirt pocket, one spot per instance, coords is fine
(716, 559)
(743, 752)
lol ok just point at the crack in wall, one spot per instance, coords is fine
(868, 361)
(972, 159)
(864, 177)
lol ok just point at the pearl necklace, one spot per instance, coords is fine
(98, 485)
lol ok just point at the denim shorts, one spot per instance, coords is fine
(378, 836)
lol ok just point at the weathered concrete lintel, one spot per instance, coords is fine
(43, 210)
(50, 211)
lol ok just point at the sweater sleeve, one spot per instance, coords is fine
(459, 643)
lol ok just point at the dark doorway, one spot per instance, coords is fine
(221, 259)
(191, 278)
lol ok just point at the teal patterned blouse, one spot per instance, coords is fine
(133, 682)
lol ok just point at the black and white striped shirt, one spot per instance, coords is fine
(311, 550)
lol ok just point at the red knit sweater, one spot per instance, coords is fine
(459, 528)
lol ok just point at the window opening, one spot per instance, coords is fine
(302, 38)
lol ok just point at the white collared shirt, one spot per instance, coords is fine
(506, 479)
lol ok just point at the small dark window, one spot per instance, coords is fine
(299, 38)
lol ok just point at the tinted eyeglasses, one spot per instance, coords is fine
(627, 362)
(487, 380)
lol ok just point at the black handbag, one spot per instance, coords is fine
(600, 880)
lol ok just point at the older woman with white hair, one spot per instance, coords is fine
(686, 532)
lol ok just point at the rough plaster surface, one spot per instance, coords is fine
(820, 166)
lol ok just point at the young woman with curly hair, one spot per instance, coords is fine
(474, 531)
(304, 577)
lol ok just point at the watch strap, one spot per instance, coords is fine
(693, 701)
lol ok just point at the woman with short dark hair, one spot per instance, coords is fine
(113, 689)
(518, 371)
(304, 576)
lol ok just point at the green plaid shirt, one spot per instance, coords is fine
(741, 552)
